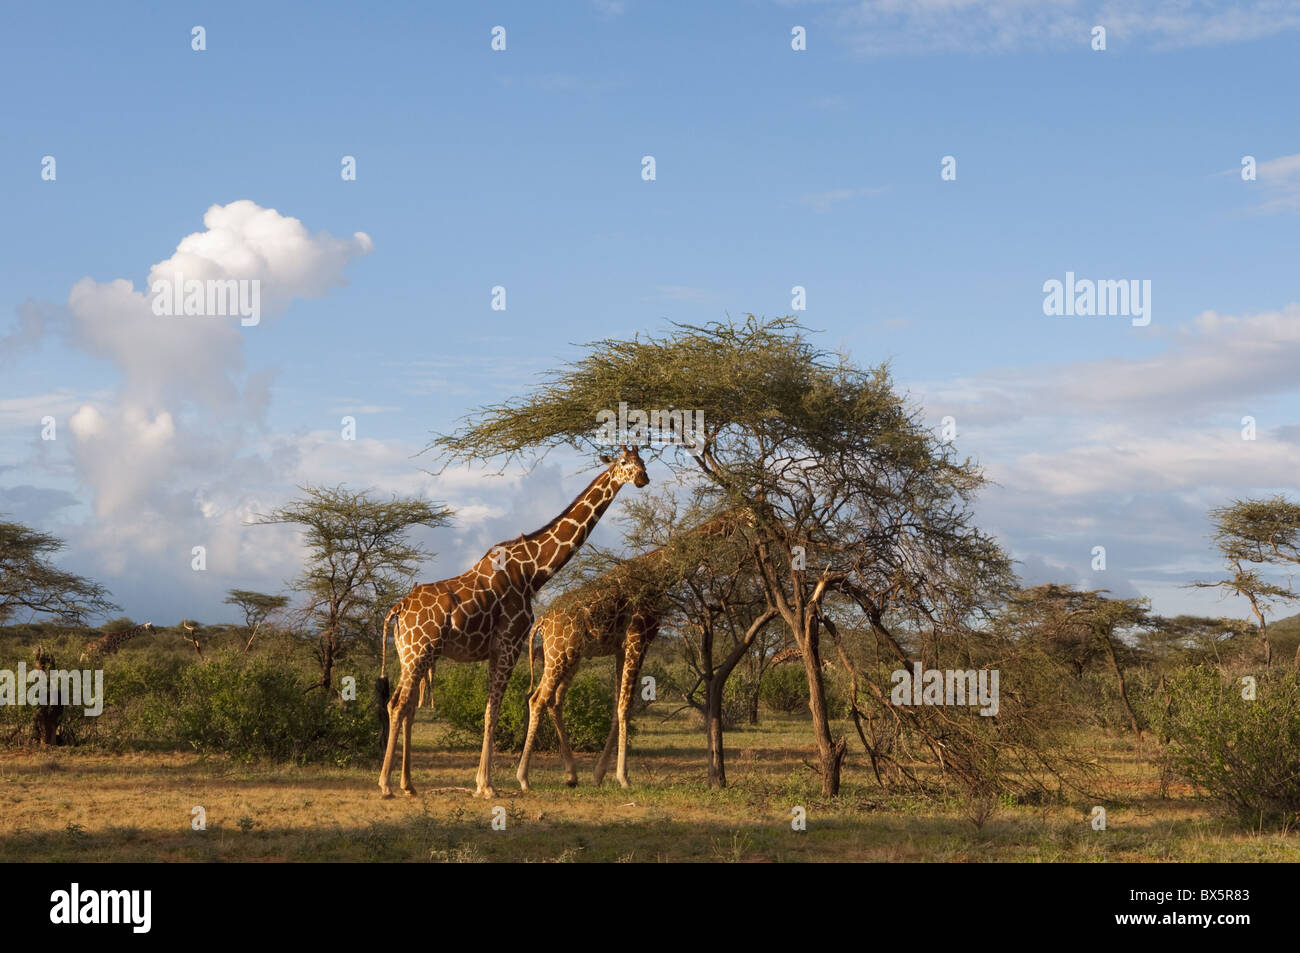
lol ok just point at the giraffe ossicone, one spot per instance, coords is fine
(487, 613)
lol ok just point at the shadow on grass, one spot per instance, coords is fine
(465, 834)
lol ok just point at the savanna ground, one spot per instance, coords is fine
(64, 804)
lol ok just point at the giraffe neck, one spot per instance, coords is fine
(114, 640)
(556, 543)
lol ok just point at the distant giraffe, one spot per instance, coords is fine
(617, 614)
(108, 644)
(487, 613)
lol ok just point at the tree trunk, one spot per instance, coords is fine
(1123, 686)
(713, 734)
(45, 726)
(327, 662)
(830, 752)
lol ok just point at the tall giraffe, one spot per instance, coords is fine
(487, 613)
(616, 614)
(110, 643)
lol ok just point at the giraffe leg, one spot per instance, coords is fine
(426, 688)
(636, 644)
(407, 788)
(399, 710)
(557, 716)
(536, 702)
(502, 663)
(607, 753)
(409, 721)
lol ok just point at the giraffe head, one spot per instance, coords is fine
(627, 467)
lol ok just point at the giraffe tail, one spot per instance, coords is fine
(532, 654)
(382, 688)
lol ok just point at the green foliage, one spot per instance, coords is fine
(248, 706)
(785, 689)
(1242, 754)
(736, 695)
(31, 582)
(258, 710)
(460, 699)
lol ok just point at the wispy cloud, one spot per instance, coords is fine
(1279, 179)
(897, 27)
(347, 408)
(825, 201)
(686, 293)
(1130, 453)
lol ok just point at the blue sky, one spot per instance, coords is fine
(522, 168)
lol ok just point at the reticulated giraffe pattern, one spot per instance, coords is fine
(107, 645)
(617, 614)
(487, 613)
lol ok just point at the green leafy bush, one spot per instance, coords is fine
(785, 689)
(1243, 754)
(259, 710)
(460, 699)
(246, 706)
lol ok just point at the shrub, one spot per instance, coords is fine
(785, 689)
(736, 696)
(460, 699)
(1243, 754)
(257, 710)
(246, 706)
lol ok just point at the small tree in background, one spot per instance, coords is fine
(357, 552)
(1076, 627)
(28, 580)
(1258, 533)
(256, 606)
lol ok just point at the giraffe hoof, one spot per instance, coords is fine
(409, 792)
(571, 783)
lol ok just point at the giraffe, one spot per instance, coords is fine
(487, 613)
(110, 643)
(616, 614)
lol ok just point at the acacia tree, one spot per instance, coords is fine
(255, 606)
(1076, 627)
(849, 490)
(1251, 535)
(28, 579)
(357, 552)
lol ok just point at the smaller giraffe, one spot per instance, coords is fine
(618, 613)
(108, 644)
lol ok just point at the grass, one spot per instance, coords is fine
(71, 805)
